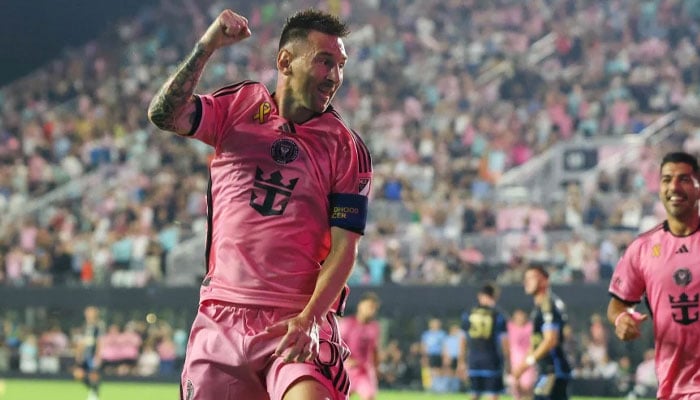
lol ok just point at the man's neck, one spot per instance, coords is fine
(680, 227)
(540, 296)
(288, 109)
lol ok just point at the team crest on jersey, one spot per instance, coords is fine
(271, 196)
(687, 308)
(263, 112)
(682, 277)
(284, 151)
(656, 250)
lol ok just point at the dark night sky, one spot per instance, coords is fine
(33, 32)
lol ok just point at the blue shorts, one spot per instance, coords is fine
(486, 384)
(549, 387)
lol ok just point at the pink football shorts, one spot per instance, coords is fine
(230, 356)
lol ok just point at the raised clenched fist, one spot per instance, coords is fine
(228, 28)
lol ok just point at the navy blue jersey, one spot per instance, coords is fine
(485, 327)
(91, 336)
(551, 315)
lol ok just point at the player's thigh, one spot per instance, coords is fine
(207, 381)
(308, 389)
(486, 384)
(323, 376)
(217, 366)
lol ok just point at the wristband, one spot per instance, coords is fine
(530, 360)
(634, 314)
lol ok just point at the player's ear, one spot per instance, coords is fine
(284, 62)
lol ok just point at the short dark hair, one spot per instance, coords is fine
(370, 296)
(300, 24)
(681, 157)
(539, 269)
(490, 290)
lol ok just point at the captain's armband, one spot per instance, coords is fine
(349, 211)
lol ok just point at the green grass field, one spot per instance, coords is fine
(16, 389)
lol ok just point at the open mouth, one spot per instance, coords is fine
(326, 91)
(675, 199)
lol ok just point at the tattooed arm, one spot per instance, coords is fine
(173, 108)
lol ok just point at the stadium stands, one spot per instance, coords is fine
(503, 133)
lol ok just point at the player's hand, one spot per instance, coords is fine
(462, 371)
(627, 327)
(519, 371)
(228, 28)
(301, 340)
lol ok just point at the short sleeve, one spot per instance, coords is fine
(627, 282)
(354, 168)
(219, 110)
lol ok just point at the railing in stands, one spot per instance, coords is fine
(625, 151)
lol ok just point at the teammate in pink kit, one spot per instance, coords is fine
(519, 334)
(663, 264)
(361, 333)
(287, 200)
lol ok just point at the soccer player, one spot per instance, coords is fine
(288, 195)
(453, 357)
(361, 333)
(519, 334)
(664, 264)
(549, 321)
(432, 341)
(88, 352)
(486, 348)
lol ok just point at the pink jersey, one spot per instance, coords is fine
(519, 341)
(519, 346)
(667, 269)
(271, 195)
(362, 340)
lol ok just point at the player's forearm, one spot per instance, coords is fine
(505, 348)
(615, 307)
(334, 273)
(549, 342)
(168, 107)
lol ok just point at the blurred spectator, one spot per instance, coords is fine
(53, 344)
(28, 354)
(148, 363)
(167, 355)
(645, 381)
(392, 369)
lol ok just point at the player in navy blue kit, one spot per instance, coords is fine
(549, 320)
(87, 353)
(486, 344)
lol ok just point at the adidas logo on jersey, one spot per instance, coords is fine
(682, 249)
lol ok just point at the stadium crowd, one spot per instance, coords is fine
(138, 347)
(152, 347)
(449, 95)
